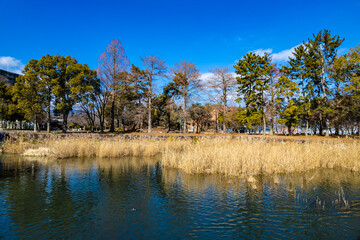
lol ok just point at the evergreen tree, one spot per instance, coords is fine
(287, 102)
(253, 81)
(27, 93)
(323, 48)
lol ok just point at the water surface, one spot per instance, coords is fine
(137, 199)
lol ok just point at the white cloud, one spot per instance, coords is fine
(276, 57)
(283, 55)
(11, 64)
(261, 51)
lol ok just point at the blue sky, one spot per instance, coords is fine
(208, 33)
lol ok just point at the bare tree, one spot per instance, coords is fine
(100, 101)
(154, 68)
(186, 78)
(112, 63)
(223, 83)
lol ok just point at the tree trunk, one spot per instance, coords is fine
(101, 119)
(185, 122)
(149, 113)
(224, 119)
(289, 129)
(336, 130)
(48, 117)
(320, 125)
(35, 125)
(112, 116)
(65, 117)
(217, 121)
(264, 122)
(272, 126)
(307, 127)
(327, 125)
(123, 124)
(169, 122)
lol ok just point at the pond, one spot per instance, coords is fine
(134, 198)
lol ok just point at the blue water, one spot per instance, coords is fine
(138, 199)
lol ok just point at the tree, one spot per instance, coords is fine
(200, 115)
(223, 84)
(75, 80)
(271, 98)
(88, 103)
(186, 80)
(253, 81)
(100, 101)
(353, 89)
(27, 93)
(112, 63)
(47, 72)
(324, 48)
(286, 102)
(299, 72)
(9, 108)
(166, 105)
(154, 68)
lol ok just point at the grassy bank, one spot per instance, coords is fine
(233, 157)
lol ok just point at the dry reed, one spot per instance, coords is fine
(225, 156)
(242, 157)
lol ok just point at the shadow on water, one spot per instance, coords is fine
(137, 198)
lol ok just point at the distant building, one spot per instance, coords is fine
(8, 78)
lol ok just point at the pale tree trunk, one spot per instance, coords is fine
(185, 122)
(35, 125)
(264, 122)
(325, 95)
(224, 118)
(327, 126)
(307, 127)
(48, 117)
(149, 113)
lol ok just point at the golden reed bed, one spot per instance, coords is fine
(225, 156)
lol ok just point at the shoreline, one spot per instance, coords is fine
(228, 156)
(165, 136)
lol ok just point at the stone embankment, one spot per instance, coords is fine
(115, 137)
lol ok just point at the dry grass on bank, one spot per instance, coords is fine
(241, 157)
(233, 157)
(84, 148)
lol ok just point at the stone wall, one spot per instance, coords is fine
(118, 137)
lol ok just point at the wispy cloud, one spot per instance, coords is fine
(276, 57)
(11, 64)
(283, 55)
(261, 51)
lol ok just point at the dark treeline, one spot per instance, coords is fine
(316, 92)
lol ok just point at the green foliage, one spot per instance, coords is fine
(27, 93)
(62, 77)
(253, 79)
(200, 115)
(286, 102)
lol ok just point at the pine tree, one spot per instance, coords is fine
(323, 47)
(287, 102)
(253, 81)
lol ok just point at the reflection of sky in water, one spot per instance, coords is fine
(136, 198)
